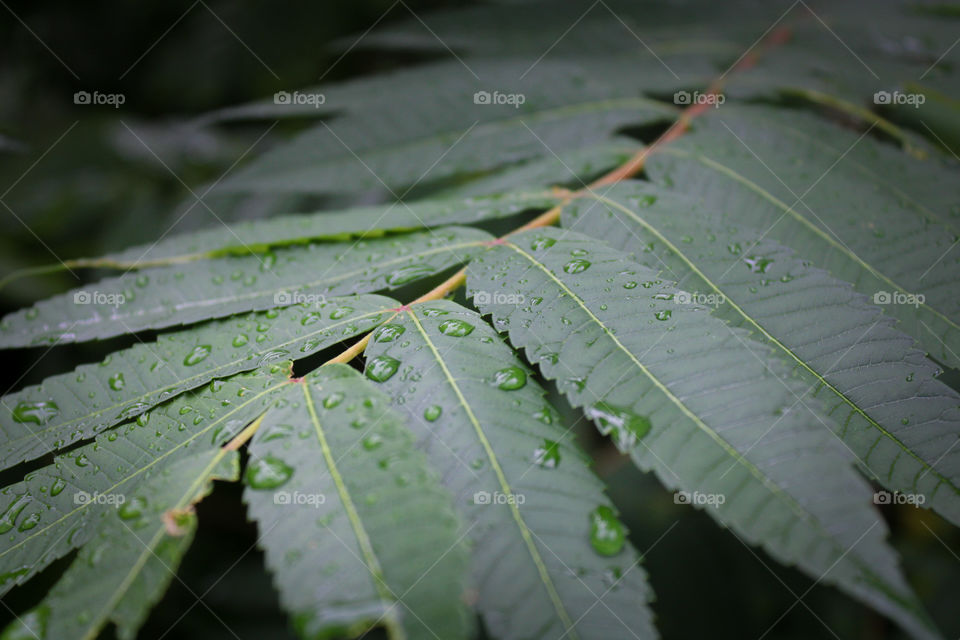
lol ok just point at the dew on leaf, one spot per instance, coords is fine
(510, 378)
(455, 328)
(607, 535)
(38, 412)
(547, 455)
(409, 274)
(576, 266)
(432, 412)
(268, 473)
(541, 243)
(197, 355)
(389, 333)
(381, 368)
(132, 509)
(117, 382)
(332, 400)
(625, 426)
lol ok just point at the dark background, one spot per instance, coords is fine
(76, 181)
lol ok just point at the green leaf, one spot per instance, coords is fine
(59, 507)
(133, 555)
(351, 156)
(331, 226)
(827, 193)
(357, 531)
(166, 296)
(70, 407)
(882, 394)
(697, 401)
(517, 477)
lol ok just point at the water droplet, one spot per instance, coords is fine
(409, 274)
(510, 378)
(663, 314)
(758, 264)
(432, 412)
(9, 518)
(29, 522)
(240, 340)
(456, 328)
(541, 243)
(372, 442)
(268, 473)
(57, 487)
(381, 368)
(132, 509)
(547, 455)
(341, 312)
(389, 333)
(625, 426)
(576, 266)
(197, 355)
(332, 400)
(607, 535)
(38, 412)
(117, 382)
(630, 285)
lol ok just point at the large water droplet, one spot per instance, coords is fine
(117, 382)
(607, 535)
(268, 473)
(510, 378)
(622, 424)
(197, 355)
(132, 509)
(663, 314)
(577, 266)
(409, 274)
(547, 455)
(59, 485)
(38, 412)
(240, 340)
(389, 332)
(541, 243)
(332, 400)
(341, 312)
(381, 368)
(758, 264)
(456, 328)
(432, 412)
(9, 518)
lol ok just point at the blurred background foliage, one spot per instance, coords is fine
(81, 180)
